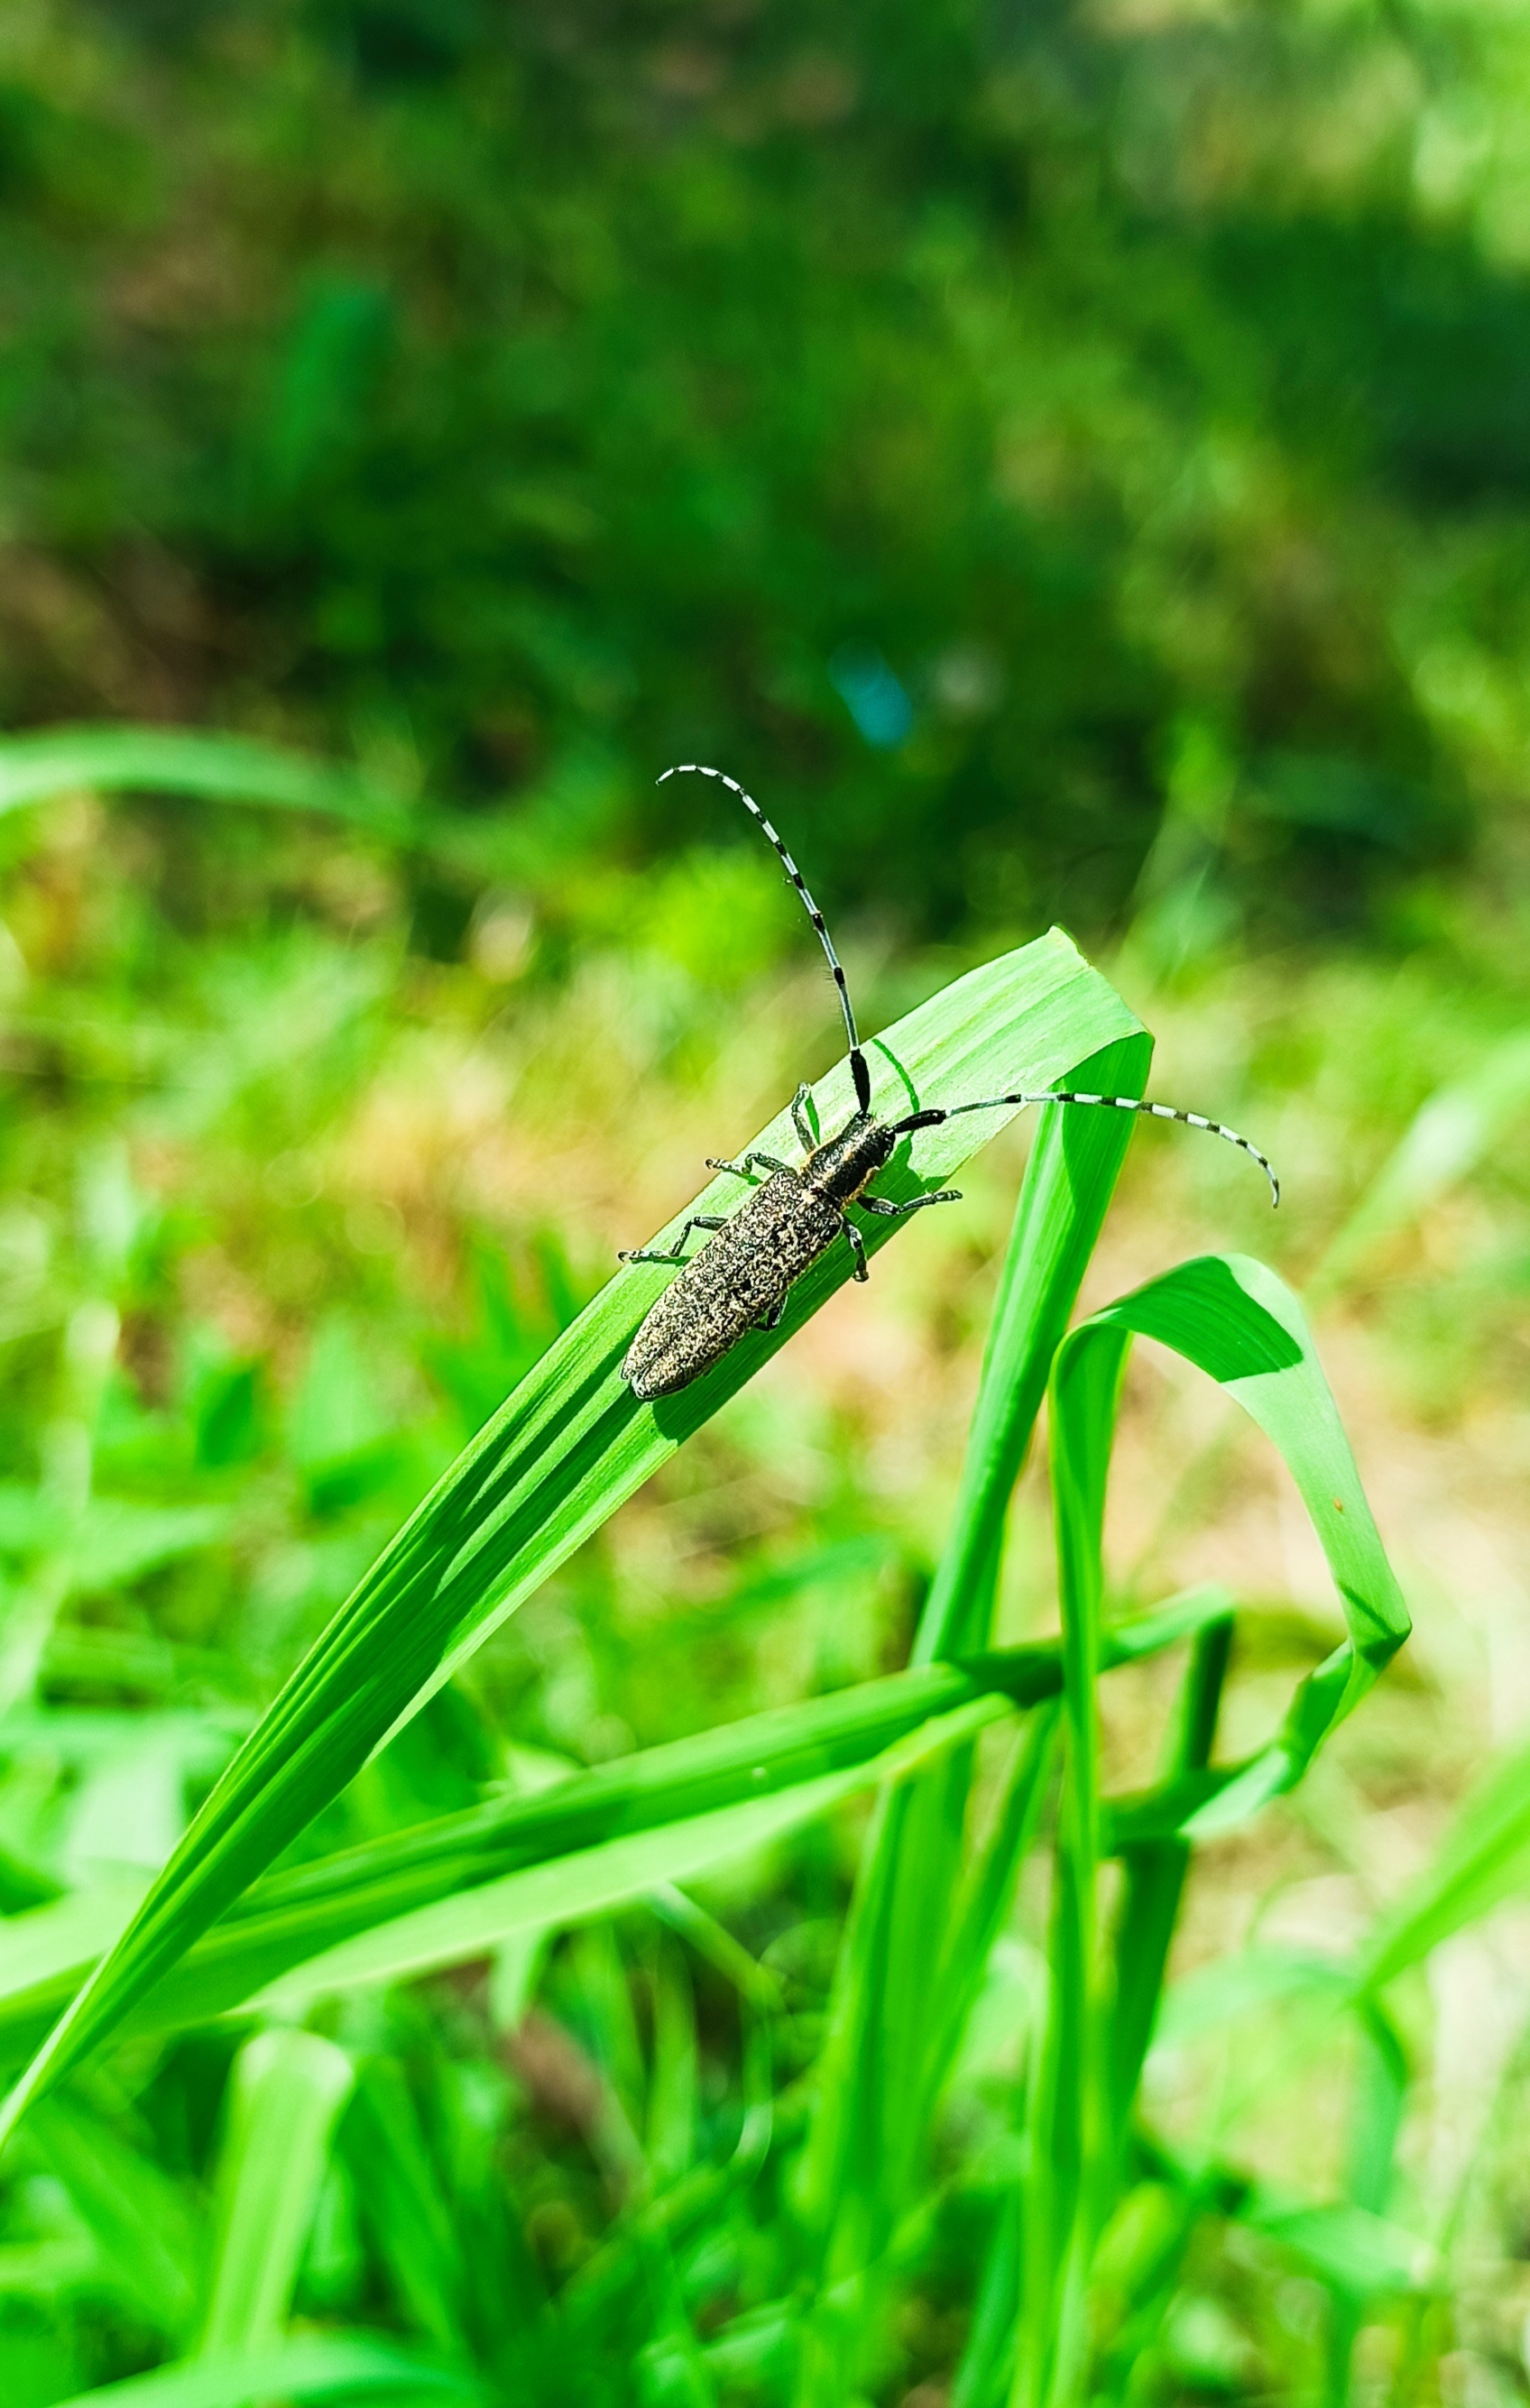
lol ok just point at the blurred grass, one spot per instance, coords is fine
(987, 426)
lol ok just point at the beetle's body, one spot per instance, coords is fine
(844, 1168)
(741, 1281)
(742, 1277)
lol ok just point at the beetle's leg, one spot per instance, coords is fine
(696, 1221)
(742, 1169)
(915, 1204)
(800, 1120)
(859, 1251)
(771, 1320)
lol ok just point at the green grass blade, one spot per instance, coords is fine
(1380, 2097)
(1358, 2253)
(1250, 1982)
(1442, 1145)
(564, 1881)
(591, 1881)
(1064, 2095)
(982, 1906)
(1240, 1325)
(140, 2219)
(283, 1921)
(403, 2202)
(286, 2090)
(1063, 1198)
(1376, 2120)
(982, 2372)
(1483, 1860)
(568, 1447)
(1152, 1889)
(875, 2090)
(285, 1918)
(317, 2367)
(183, 761)
(289, 1917)
(868, 2132)
(1237, 1322)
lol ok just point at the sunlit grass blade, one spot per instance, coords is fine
(1445, 1142)
(1250, 1982)
(185, 761)
(286, 2090)
(566, 1449)
(289, 1917)
(316, 2367)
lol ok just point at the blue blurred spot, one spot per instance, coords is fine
(871, 694)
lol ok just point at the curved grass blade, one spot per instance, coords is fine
(1241, 1326)
(183, 761)
(564, 1451)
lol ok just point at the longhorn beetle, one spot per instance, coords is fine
(742, 1280)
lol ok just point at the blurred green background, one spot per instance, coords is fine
(980, 423)
(1071, 464)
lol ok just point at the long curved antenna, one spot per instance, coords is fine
(935, 1114)
(858, 1059)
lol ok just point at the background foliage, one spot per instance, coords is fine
(1031, 412)
(1071, 463)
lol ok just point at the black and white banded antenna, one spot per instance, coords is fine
(858, 1059)
(934, 1114)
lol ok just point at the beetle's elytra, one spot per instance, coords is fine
(742, 1277)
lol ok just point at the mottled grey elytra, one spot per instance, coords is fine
(740, 1279)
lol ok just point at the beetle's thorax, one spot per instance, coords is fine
(841, 1167)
